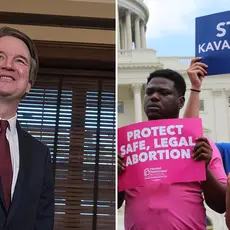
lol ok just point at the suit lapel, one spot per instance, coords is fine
(2, 199)
(23, 153)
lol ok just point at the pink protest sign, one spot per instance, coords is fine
(159, 152)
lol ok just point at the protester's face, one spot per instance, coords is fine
(162, 100)
(14, 68)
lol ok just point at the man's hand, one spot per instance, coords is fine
(121, 165)
(196, 72)
(202, 150)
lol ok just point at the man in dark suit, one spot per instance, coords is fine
(26, 180)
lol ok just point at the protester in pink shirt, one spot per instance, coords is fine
(175, 206)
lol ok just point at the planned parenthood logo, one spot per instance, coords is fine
(155, 173)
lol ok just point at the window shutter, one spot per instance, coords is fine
(75, 117)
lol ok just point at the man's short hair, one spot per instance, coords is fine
(34, 62)
(179, 82)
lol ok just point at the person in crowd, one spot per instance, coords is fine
(26, 180)
(175, 205)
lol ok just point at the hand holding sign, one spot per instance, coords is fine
(196, 72)
(120, 164)
(203, 150)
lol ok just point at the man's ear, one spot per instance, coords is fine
(27, 90)
(181, 102)
(28, 87)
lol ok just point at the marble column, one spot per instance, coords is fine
(128, 29)
(137, 101)
(145, 40)
(120, 29)
(123, 34)
(137, 33)
(221, 115)
(143, 37)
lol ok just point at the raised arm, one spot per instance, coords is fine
(196, 72)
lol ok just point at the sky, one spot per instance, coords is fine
(171, 25)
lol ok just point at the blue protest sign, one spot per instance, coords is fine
(213, 42)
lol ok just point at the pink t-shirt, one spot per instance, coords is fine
(176, 206)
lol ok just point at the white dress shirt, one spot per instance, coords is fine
(12, 137)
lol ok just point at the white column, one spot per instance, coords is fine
(221, 115)
(137, 33)
(145, 41)
(137, 102)
(128, 29)
(123, 34)
(143, 37)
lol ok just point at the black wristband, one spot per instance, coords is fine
(195, 90)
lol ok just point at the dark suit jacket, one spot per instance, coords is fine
(32, 206)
